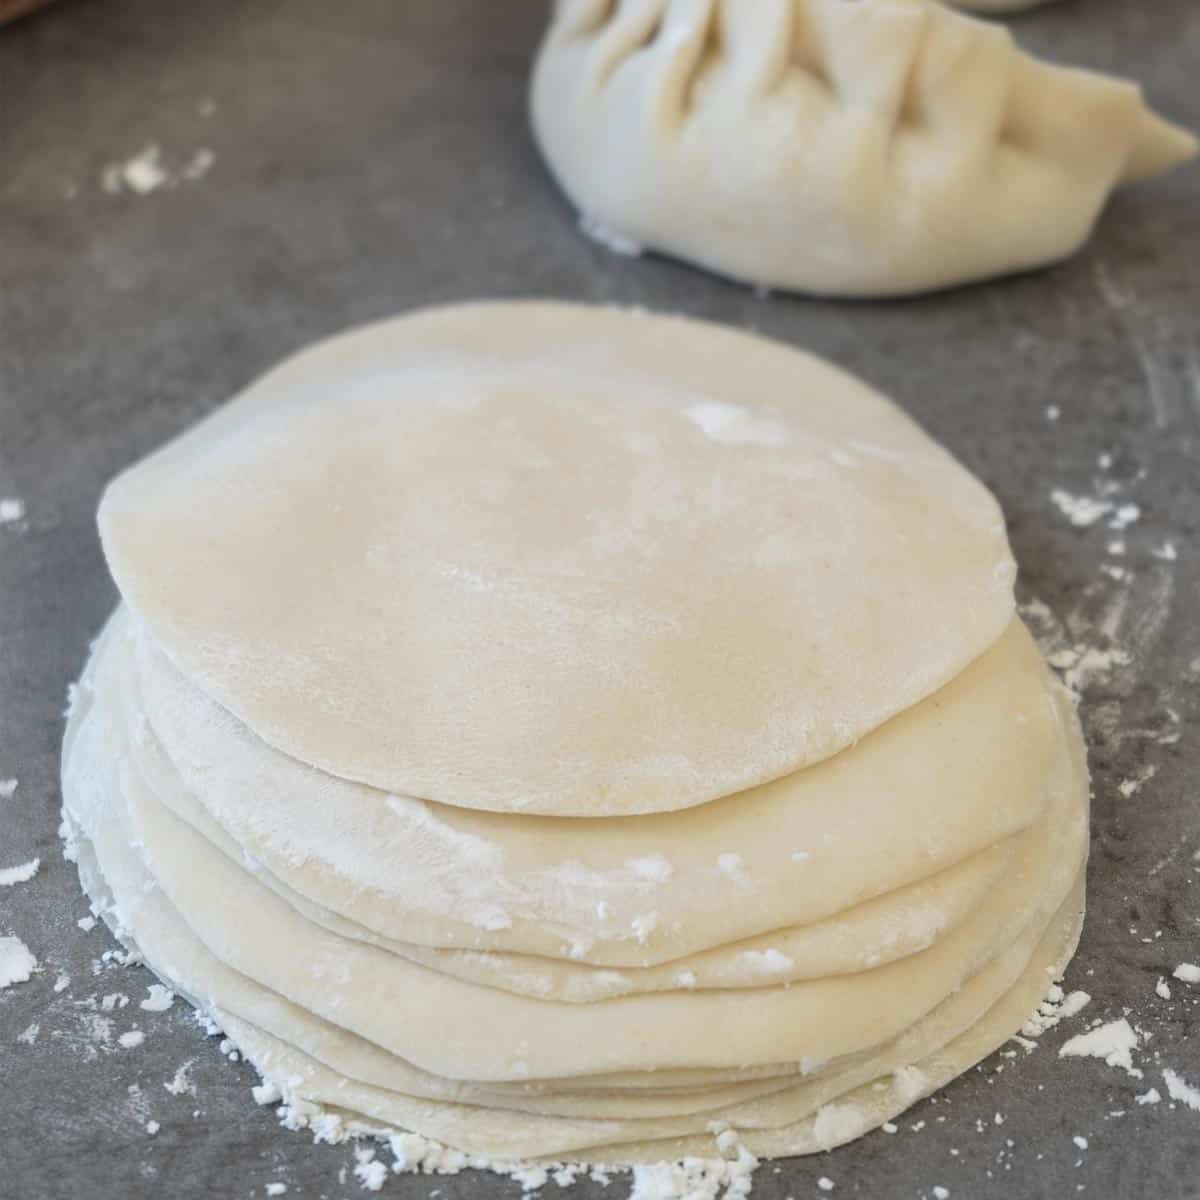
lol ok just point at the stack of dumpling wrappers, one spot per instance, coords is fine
(571, 733)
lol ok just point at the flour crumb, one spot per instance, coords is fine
(1125, 516)
(368, 1170)
(7, 788)
(1130, 787)
(179, 1083)
(62, 983)
(1113, 1042)
(87, 924)
(940, 1193)
(147, 171)
(1187, 973)
(29, 1035)
(12, 510)
(826, 1184)
(276, 1189)
(1053, 412)
(1162, 989)
(152, 1127)
(1080, 1142)
(17, 964)
(770, 961)
(10, 876)
(1166, 552)
(1056, 1007)
(266, 1093)
(1179, 1089)
(1081, 511)
(159, 998)
(1150, 1097)
(132, 1039)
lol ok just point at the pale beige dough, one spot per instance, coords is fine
(502, 557)
(965, 770)
(254, 931)
(874, 148)
(564, 732)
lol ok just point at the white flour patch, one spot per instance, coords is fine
(1187, 973)
(1162, 990)
(22, 874)
(148, 171)
(8, 788)
(12, 510)
(1081, 511)
(1131, 786)
(1179, 1089)
(1113, 1042)
(1150, 1097)
(179, 1083)
(17, 963)
(770, 961)
(159, 998)
(29, 1035)
(131, 1040)
(1056, 1007)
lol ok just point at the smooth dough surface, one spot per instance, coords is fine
(559, 559)
(874, 148)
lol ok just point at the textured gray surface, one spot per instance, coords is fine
(371, 156)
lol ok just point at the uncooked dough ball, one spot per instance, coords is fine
(876, 148)
(571, 733)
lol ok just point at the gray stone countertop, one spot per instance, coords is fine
(325, 164)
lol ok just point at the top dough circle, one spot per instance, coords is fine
(557, 559)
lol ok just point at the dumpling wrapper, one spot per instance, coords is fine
(875, 148)
(966, 771)
(555, 559)
(464, 1031)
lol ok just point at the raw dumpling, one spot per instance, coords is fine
(875, 148)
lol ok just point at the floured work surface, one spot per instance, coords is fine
(204, 220)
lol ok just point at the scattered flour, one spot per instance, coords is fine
(179, 1083)
(147, 172)
(276, 1189)
(12, 510)
(1187, 972)
(132, 1039)
(1081, 511)
(1162, 990)
(29, 1035)
(159, 998)
(825, 1183)
(1057, 1006)
(1179, 1089)
(87, 924)
(21, 874)
(1113, 1042)
(1130, 787)
(1150, 1097)
(7, 788)
(17, 964)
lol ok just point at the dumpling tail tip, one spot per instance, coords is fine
(1158, 146)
